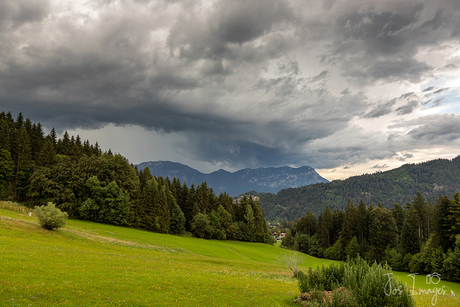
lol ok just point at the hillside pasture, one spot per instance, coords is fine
(90, 264)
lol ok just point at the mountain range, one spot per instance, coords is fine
(400, 185)
(271, 179)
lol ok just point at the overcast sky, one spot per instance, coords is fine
(347, 87)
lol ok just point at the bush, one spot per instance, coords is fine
(50, 217)
(361, 284)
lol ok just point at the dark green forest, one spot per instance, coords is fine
(89, 184)
(419, 237)
(431, 179)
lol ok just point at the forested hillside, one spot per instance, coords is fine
(431, 179)
(104, 187)
(419, 237)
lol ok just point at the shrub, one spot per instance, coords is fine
(416, 264)
(292, 260)
(365, 285)
(50, 217)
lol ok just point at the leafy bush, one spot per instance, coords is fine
(361, 284)
(50, 217)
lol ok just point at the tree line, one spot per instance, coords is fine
(104, 187)
(420, 237)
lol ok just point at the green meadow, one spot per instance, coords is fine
(89, 264)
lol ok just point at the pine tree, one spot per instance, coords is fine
(398, 215)
(46, 155)
(419, 205)
(363, 222)
(410, 241)
(177, 224)
(443, 223)
(327, 224)
(350, 223)
(53, 136)
(24, 165)
(4, 135)
(381, 232)
(454, 216)
(6, 173)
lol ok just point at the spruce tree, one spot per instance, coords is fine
(6, 173)
(327, 224)
(410, 241)
(177, 224)
(46, 155)
(350, 222)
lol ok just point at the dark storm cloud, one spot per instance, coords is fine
(380, 40)
(250, 83)
(222, 35)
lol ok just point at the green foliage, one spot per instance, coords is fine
(106, 204)
(368, 285)
(381, 232)
(352, 249)
(394, 259)
(201, 226)
(441, 176)
(177, 225)
(336, 251)
(50, 217)
(288, 241)
(6, 173)
(452, 261)
(416, 264)
(410, 242)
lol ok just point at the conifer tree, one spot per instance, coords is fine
(363, 222)
(398, 215)
(419, 205)
(454, 217)
(24, 165)
(410, 241)
(443, 223)
(327, 225)
(177, 224)
(53, 136)
(381, 232)
(350, 222)
(4, 135)
(47, 154)
(6, 173)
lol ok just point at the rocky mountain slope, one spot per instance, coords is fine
(272, 179)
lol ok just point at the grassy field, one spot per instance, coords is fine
(89, 264)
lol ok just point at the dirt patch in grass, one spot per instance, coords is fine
(99, 238)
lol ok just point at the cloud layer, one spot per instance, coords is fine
(246, 83)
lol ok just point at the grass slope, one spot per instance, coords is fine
(89, 264)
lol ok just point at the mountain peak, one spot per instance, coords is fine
(270, 179)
